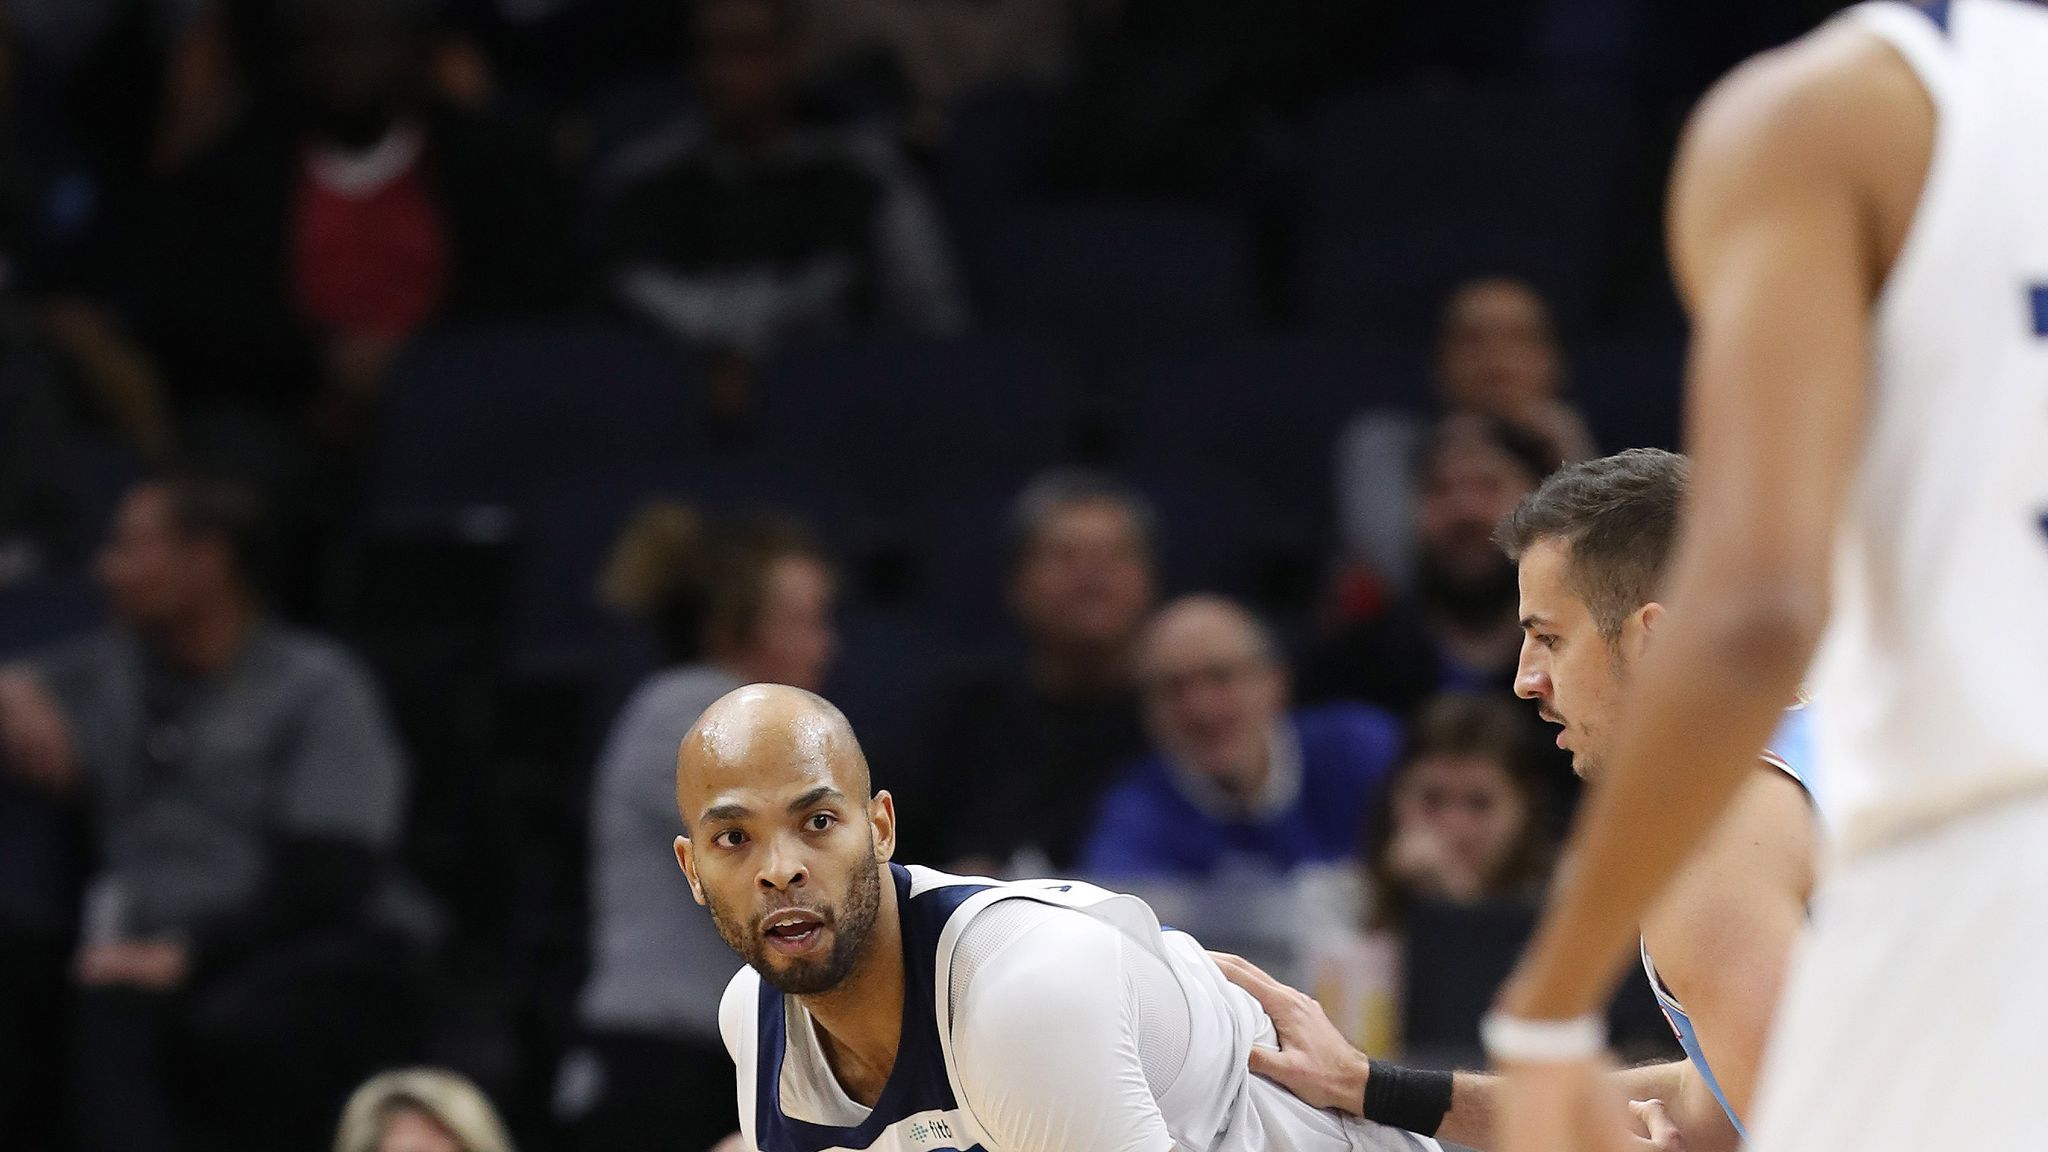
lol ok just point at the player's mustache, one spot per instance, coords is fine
(767, 912)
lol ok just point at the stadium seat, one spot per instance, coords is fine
(490, 414)
(557, 625)
(881, 679)
(1115, 270)
(996, 152)
(1409, 191)
(910, 421)
(1264, 411)
(44, 610)
(1628, 384)
(102, 471)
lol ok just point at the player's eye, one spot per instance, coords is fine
(820, 821)
(730, 838)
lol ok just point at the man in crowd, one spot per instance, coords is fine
(243, 793)
(1021, 750)
(751, 225)
(1498, 355)
(1234, 774)
(288, 264)
(1457, 631)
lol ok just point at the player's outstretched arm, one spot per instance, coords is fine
(1773, 236)
(1777, 234)
(1316, 1063)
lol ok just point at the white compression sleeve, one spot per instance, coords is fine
(1046, 1032)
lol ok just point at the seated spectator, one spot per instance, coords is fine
(1235, 775)
(420, 1110)
(945, 52)
(1458, 628)
(287, 264)
(1170, 93)
(1498, 356)
(751, 225)
(1460, 853)
(1456, 859)
(731, 605)
(1021, 748)
(1462, 822)
(243, 791)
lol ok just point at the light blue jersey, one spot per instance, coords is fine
(1791, 752)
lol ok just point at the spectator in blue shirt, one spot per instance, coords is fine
(1234, 773)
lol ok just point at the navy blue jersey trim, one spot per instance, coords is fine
(918, 1082)
(1937, 11)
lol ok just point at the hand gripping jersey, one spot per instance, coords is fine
(979, 958)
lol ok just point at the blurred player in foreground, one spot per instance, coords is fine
(1860, 235)
(1593, 544)
(903, 1009)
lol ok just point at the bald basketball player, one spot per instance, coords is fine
(898, 1008)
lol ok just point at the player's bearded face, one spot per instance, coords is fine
(848, 920)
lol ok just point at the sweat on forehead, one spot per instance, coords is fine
(762, 733)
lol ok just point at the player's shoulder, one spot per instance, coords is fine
(1051, 939)
(1761, 850)
(1791, 748)
(1774, 808)
(1765, 842)
(1836, 91)
(1023, 965)
(741, 1000)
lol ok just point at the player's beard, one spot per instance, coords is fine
(852, 922)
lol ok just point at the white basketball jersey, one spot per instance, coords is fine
(1212, 1104)
(1935, 663)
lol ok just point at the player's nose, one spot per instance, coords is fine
(1532, 680)
(781, 868)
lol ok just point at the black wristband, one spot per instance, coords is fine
(1410, 1099)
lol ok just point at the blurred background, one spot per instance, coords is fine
(413, 413)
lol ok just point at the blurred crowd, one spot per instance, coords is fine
(413, 413)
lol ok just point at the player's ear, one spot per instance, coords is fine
(882, 823)
(686, 857)
(1647, 618)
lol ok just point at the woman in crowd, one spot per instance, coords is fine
(1463, 822)
(729, 604)
(1457, 856)
(420, 1110)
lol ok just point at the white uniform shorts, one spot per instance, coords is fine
(1916, 1012)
